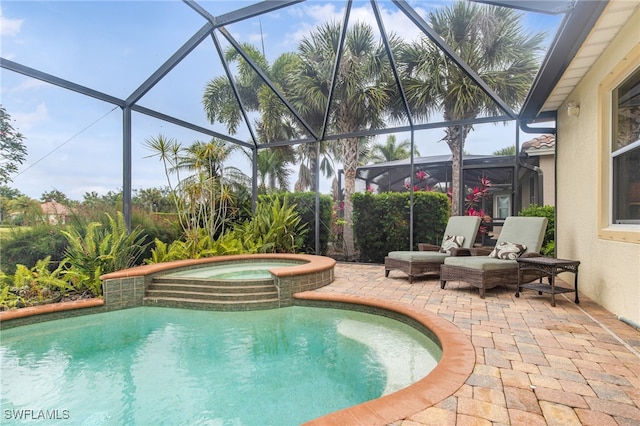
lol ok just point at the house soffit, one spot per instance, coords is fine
(611, 21)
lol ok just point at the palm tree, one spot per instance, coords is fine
(276, 122)
(382, 153)
(363, 91)
(272, 167)
(492, 41)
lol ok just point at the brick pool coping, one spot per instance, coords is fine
(50, 309)
(313, 264)
(451, 372)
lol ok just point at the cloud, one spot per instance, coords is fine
(9, 27)
(27, 85)
(395, 21)
(30, 120)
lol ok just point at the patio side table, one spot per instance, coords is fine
(549, 267)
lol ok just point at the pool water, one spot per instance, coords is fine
(170, 366)
(233, 271)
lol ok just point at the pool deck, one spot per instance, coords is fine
(535, 364)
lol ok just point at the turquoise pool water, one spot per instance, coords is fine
(231, 271)
(152, 366)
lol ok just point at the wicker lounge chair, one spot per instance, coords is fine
(429, 257)
(486, 272)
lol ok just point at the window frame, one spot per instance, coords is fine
(496, 204)
(607, 229)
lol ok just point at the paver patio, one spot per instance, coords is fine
(535, 364)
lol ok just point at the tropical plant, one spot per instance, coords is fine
(33, 285)
(200, 185)
(492, 41)
(97, 249)
(274, 228)
(8, 298)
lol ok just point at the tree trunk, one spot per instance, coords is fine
(350, 163)
(455, 176)
(453, 140)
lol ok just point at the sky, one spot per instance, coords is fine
(74, 142)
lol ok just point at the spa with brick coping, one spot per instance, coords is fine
(126, 288)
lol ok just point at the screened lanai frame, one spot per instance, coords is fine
(579, 17)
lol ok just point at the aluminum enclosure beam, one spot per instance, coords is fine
(56, 81)
(174, 60)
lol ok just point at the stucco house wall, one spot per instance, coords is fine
(610, 256)
(548, 166)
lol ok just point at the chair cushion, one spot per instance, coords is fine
(451, 241)
(483, 263)
(465, 226)
(528, 231)
(418, 256)
(507, 250)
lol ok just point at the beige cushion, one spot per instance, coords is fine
(418, 256)
(528, 231)
(484, 263)
(464, 226)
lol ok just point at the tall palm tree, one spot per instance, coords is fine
(362, 92)
(275, 123)
(390, 151)
(272, 170)
(493, 42)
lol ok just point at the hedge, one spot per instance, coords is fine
(381, 222)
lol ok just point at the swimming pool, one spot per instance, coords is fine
(159, 366)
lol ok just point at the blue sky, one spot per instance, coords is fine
(74, 142)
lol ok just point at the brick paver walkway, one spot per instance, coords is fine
(535, 364)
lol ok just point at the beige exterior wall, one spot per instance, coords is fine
(548, 166)
(610, 256)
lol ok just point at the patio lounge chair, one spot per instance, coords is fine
(461, 231)
(488, 271)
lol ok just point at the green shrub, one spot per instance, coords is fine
(275, 227)
(28, 245)
(548, 244)
(305, 206)
(381, 222)
(28, 286)
(160, 227)
(97, 249)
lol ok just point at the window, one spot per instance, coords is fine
(503, 206)
(625, 151)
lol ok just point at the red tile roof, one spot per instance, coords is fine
(541, 142)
